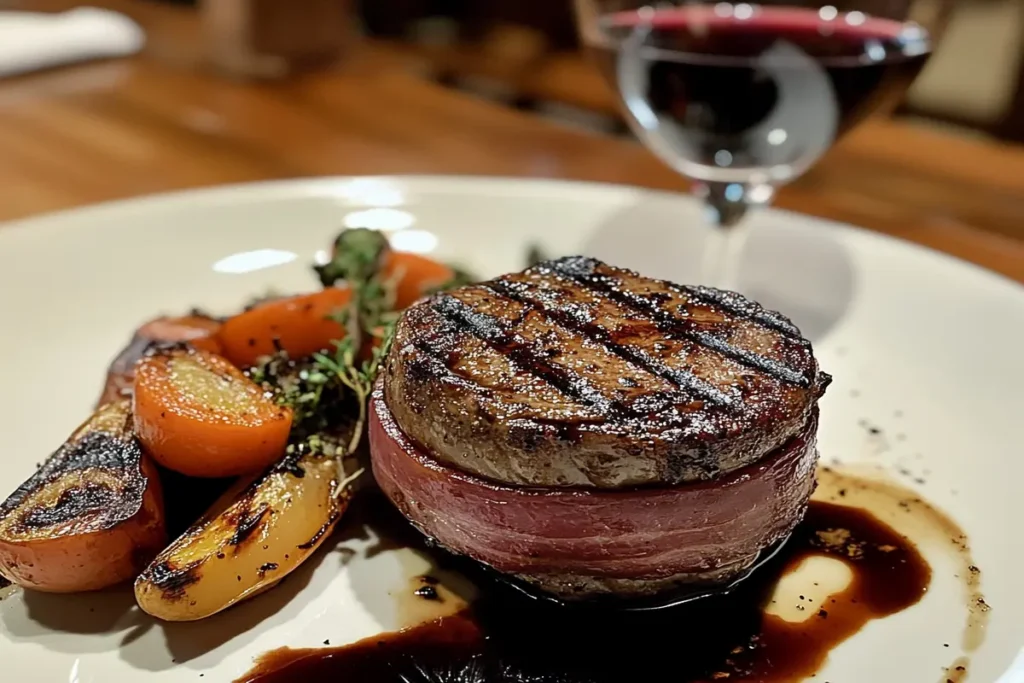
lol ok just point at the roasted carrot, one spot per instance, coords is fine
(301, 325)
(197, 414)
(415, 276)
(197, 330)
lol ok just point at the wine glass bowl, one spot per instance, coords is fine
(742, 98)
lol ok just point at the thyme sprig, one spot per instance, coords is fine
(337, 382)
(332, 383)
(356, 376)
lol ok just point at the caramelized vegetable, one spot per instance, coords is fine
(197, 414)
(90, 517)
(197, 330)
(414, 276)
(301, 325)
(305, 324)
(253, 537)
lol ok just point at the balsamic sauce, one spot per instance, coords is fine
(503, 636)
(427, 592)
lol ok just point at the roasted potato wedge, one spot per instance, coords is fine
(257, 533)
(91, 516)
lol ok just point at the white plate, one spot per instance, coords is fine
(925, 347)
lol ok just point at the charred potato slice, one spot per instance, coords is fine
(257, 533)
(91, 516)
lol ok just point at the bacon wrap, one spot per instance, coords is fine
(686, 532)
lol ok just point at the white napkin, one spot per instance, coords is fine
(30, 41)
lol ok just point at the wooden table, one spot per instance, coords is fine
(157, 122)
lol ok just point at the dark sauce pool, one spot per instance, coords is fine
(505, 637)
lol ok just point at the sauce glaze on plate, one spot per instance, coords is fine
(745, 635)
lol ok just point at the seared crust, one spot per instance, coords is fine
(92, 483)
(576, 373)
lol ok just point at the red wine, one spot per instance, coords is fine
(728, 92)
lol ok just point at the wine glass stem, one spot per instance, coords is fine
(726, 205)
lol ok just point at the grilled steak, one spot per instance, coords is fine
(576, 373)
(594, 432)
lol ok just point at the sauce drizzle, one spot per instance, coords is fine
(503, 637)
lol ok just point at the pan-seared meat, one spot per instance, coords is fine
(576, 373)
(594, 432)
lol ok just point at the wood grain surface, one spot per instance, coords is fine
(159, 122)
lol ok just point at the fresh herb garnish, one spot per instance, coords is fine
(358, 261)
(357, 377)
(334, 383)
(304, 387)
(358, 257)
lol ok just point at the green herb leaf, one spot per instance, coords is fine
(357, 257)
(335, 382)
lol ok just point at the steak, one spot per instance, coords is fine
(575, 373)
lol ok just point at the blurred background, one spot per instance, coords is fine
(221, 91)
(525, 52)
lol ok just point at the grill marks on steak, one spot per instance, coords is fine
(658, 299)
(484, 318)
(642, 357)
(577, 373)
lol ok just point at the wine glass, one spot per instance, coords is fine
(742, 98)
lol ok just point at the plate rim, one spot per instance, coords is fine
(317, 185)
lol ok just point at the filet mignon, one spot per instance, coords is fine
(595, 432)
(575, 373)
